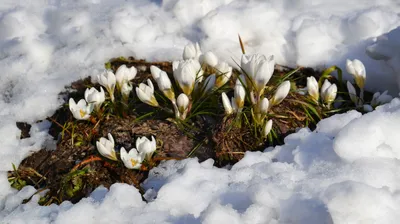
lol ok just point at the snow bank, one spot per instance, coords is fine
(321, 175)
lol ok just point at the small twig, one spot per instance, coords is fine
(86, 161)
(58, 124)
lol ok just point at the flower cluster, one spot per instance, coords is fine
(133, 159)
(190, 76)
(327, 93)
(357, 69)
(94, 98)
(257, 71)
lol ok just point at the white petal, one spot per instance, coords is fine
(281, 93)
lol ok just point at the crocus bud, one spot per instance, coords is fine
(163, 82)
(312, 88)
(324, 87)
(281, 92)
(106, 147)
(330, 94)
(264, 106)
(95, 97)
(352, 93)
(183, 104)
(209, 58)
(226, 104)
(267, 128)
(146, 93)
(108, 80)
(357, 69)
(191, 51)
(239, 94)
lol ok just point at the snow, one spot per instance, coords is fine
(346, 171)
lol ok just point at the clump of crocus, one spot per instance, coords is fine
(194, 81)
(144, 150)
(133, 159)
(257, 71)
(327, 92)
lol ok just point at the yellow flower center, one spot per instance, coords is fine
(82, 113)
(133, 162)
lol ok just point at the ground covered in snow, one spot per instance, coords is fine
(344, 172)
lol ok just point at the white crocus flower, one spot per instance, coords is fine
(108, 80)
(324, 87)
(163, 82)
(330, 94)
(146, 147)
(186, 73)
(146, 93)
(357, 69)
(133, 159)
(267, 128)
(191, 51)
(124, 75)
(183, 104)
(259, 69)
(126, 90)
(227, 105)
(106, 147)
(80, 110)
(224, 73)
(312, 88)
(95, 97)
(352, 93)
(239, 94)
(208, 58)
(281, 92)
(379, 99)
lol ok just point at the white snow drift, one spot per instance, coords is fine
(344, 172)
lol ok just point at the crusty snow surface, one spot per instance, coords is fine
(346, 171)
